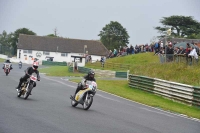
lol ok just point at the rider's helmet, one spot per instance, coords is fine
(7, 61)
(91, 74)
(35, 65)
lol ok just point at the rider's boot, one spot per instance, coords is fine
(18, 87)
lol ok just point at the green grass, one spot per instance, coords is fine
(2, 60)
(122, 89)
(147, 64)
(60, 71)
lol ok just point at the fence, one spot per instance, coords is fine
(180, 92)
(52, 63)
(121, 74)
(70, 69)
(178, 58)
(83, 69)
(113, 65)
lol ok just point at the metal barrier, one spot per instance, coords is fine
(52, 63)
(111, 65)
(121, 74)
(83, 69)
(70, 69)
(180, 92)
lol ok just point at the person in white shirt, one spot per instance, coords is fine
(193, 53)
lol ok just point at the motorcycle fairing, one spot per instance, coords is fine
(79, 95)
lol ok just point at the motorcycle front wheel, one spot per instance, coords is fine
(7, 72)
(28, 92)
(87, 102)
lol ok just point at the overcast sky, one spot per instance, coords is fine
(84, 19)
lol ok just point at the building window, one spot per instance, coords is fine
(64, 54)
(27, 51)
(46, 53)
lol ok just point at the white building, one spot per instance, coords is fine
(58, 49)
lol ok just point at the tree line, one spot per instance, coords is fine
(114, 35)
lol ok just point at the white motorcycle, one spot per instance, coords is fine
(85, 96)
(27, 87)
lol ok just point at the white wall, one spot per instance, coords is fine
(13, 59)
(95, 58)
(3, 56)
(57, 57)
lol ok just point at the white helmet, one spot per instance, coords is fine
(35, 65)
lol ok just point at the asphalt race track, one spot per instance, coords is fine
(49, 110)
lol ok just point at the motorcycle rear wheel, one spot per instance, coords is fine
(73, 103)
(19, 93)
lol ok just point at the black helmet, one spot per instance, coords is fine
(91, 74)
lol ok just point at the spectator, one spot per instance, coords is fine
(193, 53)
(131, 50)
(176, 50)
(90, 59)
(136, 49)
(161, 54)
(110, 54)
(102, 61)
(197, 48)
(181, 51)
(156, 48)
(169, 53)
(161, 44)
(187, 51)
(127, 50)
(115, 52)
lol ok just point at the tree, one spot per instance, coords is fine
(194, 36)
(114, 35)
(51, 35)
(5, 39)
(16, 36)
(55, 33)
(181, 26)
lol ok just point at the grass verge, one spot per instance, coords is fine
(122, 89)
(147, 64)
(60, 71)
(2, 60)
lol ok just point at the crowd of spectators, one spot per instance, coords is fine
(166, 52)
(173, 53)
(125, 50)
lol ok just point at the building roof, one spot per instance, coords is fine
(63, 45)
